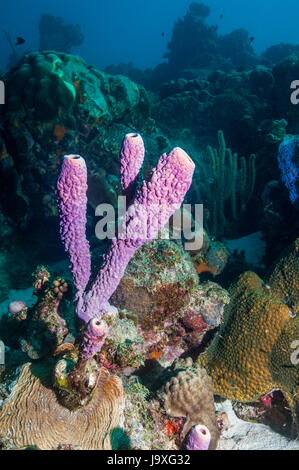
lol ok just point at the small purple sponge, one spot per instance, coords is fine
(198, 438)
(93, 338)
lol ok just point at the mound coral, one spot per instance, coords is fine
(39, 82)
(32, 415)
(51, 83)
(253, 352)
(189, 393)
(284, 280)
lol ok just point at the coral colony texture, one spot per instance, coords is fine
(150, 303)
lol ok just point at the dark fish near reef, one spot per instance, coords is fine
(251, 39)
(221, 17)
(19, 41)
(162, 34)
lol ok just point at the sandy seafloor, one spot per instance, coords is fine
(241, 435)
(244, 435)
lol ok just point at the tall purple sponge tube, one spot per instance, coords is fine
(131, 160)
(72, 202)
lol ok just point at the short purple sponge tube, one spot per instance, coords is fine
(198, 438)
(93, 338)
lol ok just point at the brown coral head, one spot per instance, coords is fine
(190, 394)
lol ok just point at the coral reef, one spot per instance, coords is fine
(57, 105)
(279, 52)
(252, 353)
(72, 384)
(108, 348)
(196, 45)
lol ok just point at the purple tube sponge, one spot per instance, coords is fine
(153, 203)
(72, 202)
(156, 200)
(93, 338)
(131, 160)
(198, 438)
(288, 161)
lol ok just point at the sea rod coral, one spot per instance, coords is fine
(155, 200)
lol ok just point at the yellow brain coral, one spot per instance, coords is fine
(253, 352)
(284, 280)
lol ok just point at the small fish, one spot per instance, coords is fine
(251, 39)
(19, 41)
(221, 17)
(162, 34)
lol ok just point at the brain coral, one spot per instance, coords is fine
(190, 394)
(253, 353)
(32, 416)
